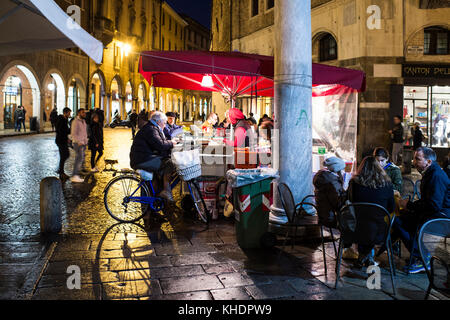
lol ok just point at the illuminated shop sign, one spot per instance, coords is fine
(426, 71)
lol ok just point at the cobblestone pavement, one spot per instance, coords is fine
(175, 259)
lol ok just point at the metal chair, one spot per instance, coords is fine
(408, 189)
(433, 243)
(358, 206)
(295, 220)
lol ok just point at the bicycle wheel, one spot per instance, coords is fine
(117, 202)
(199, 203)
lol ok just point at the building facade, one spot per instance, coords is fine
(401, 45)
(60, 78)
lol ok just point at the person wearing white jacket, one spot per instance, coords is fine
(79, 138)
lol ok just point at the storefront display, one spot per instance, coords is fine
(429, 105)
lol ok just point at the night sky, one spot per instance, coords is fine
(199, 10)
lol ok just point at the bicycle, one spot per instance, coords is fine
(130, 195)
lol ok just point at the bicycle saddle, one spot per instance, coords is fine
(145, 175)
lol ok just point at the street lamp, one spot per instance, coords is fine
(207, 81)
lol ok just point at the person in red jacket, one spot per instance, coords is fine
(243, 136)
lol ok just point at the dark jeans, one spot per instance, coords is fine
(64, 154)
(17, 125)
(405, 228)
(22, 123)
(93, 159)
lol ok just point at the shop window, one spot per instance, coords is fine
(436, 41)
(255, 7)
(327, 48)
(270, 4)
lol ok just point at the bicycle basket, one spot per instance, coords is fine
(190, 173)
(187, 164)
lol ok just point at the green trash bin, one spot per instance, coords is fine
(252, 207)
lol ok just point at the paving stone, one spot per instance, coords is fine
(271, 291)
(87, 292)
(231, 280)
(56, 280)
(142, 263)
(160, 273)
(131, 289)
(172, 250)
(86, 266)
(197, 295)
(191, 259)
(218, 268)
(187, 284)
(308, 287)
(231, 294)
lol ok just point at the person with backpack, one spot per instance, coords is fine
(22, 120)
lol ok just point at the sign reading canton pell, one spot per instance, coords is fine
(426, 71)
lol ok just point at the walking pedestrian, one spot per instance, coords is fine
(18, 115)
(62, 140)
(54, 118)
(397, 138)
(80, 140)
(95, 141)
(142, 119)
(24, 111)
(418, 136)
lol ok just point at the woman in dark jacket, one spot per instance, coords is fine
(371, 184)
(95, 143)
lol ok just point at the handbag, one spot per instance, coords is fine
(348, 217)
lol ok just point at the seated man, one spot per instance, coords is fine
(151, 151)
(171, 126)
(435, 203)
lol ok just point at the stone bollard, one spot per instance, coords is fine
(51, 198)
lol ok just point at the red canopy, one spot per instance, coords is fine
(233, 73)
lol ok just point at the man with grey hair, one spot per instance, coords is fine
(151, 151)
(434, 203)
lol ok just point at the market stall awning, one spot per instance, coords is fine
(35, 25)
(232, 73)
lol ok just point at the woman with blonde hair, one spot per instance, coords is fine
(370, 184)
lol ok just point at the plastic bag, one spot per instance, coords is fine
(186, 159)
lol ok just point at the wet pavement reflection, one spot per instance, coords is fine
(171, 258)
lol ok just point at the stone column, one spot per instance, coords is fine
(293, 99)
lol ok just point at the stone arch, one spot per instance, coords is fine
(318, 35)
(97, 89)
(116, 89)
(29, 75)
(57, 96)
(76, 93)
(142, 97)
(410, 38)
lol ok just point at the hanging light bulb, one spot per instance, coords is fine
(207, 81)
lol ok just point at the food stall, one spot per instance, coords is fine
(335, 100)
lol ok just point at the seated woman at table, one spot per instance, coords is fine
(243, 135)
(394, 172)
(370, 184)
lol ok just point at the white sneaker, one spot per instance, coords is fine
(77, 179)
(95, 169)
(349, 254)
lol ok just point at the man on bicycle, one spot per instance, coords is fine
(151, 151)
